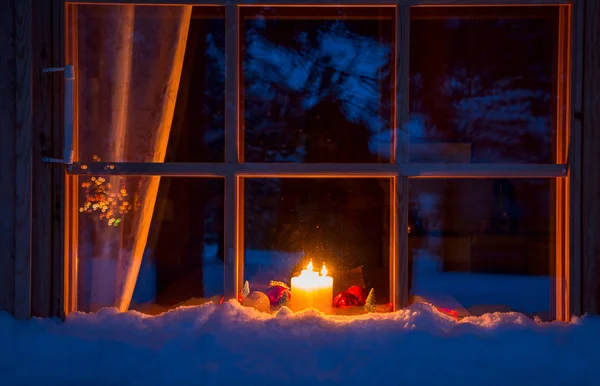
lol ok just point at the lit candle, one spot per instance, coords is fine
(324, 295)
(310, 290)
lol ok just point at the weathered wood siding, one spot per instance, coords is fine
(590, 265)
(7, 156)
(31, 193)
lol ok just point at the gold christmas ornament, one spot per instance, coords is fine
(258, 301)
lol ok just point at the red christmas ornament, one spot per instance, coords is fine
(345, 299)
(360, 294)
(275, 292)
(448, 311)
(239, 299)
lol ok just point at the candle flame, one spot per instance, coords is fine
(309, 267)
(324, 270)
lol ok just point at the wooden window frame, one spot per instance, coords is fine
(234, 170)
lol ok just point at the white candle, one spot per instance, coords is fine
(309, 290)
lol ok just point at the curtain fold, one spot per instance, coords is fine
(129, 63)
(158, 151)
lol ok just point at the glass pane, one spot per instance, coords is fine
(482, 245)
(342, 223)
(317, 84)
(483, 84)
(150, 83)
(149, 243)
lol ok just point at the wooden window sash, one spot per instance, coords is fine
(234, 171)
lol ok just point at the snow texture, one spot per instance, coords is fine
(231, 345)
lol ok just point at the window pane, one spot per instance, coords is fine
(317, 84)
(170, 229)
(150, 82)
(482, 245)
(483, 84)
(342, 223)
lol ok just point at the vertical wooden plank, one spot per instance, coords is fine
(233, 263)
(560, 254)
(41, 173)
(233, 269)
(23, 152)
(399, 266)
(575, 156)
(57, 302)
(70, 195)
(239, 241)
(7, 156)
(591, 159)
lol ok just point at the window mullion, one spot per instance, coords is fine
(399, 192)
(233, 256)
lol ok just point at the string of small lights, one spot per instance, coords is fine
(111, 203)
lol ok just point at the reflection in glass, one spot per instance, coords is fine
(482, 245)
(317, 84)
(483, 84)
(343, 223)
(148, 78)
(149, 256)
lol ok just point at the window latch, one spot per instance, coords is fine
(69, 77)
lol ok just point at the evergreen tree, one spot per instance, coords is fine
(245, 290)
(370, 302)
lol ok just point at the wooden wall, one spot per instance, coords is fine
(7, 155)
(31, 39)
(31, 215)
(590, 264)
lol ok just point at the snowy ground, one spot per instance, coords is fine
(231, 345)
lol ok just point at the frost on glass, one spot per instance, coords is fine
(317, 84)
(483, 84)
(482, 245)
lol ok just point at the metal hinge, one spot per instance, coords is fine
(69, 76)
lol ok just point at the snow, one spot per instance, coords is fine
(469, 290)
(231, 345)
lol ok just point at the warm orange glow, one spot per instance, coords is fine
(148, 200)
(311, 290)
(562, 215)
(324, 270)
(309, 282)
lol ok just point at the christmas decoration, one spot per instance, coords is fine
(258, 301)
(245, 291)
(284, 300)
(240, 298)
(370, 305)
(360, 294)
(275, 292)
(312, 290)
(448, 311)
(109, 201)
(345, 299)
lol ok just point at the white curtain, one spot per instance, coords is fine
(129, 60)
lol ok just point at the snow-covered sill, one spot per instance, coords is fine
(231, 345)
